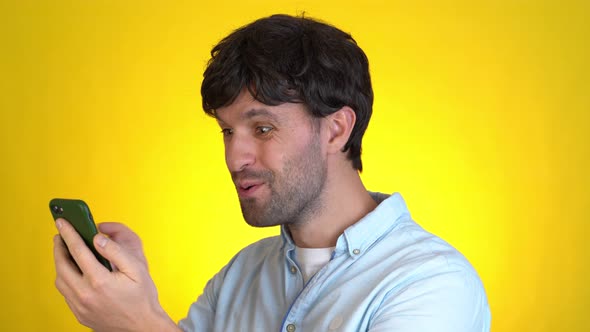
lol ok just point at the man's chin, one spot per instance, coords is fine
(252, 213)
(259, 220)
(258, 224)
(256, 221)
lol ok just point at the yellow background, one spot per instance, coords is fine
(481, 121)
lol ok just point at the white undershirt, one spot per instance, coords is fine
(311, 260)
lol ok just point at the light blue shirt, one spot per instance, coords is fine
(386, 274)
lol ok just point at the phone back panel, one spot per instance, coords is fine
(77, 213)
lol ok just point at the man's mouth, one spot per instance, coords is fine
(247, 189)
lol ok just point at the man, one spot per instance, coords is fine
(293, 98)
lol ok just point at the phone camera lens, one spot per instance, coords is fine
(57, 209)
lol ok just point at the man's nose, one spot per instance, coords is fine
(240, 153)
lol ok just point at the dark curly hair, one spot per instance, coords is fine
(283, 59)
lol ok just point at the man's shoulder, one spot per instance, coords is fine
(424, 273)
(249, 258)
(414, 245)
(261, 249)
(267, 243)
(393, 240)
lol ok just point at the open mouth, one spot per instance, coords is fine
(248, 189)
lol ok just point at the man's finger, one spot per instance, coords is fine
(125, 237)
(120, 233)
(126, 262)
(82, 255)
(68, 275)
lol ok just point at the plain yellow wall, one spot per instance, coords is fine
(481, 120)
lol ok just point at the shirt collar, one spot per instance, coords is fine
(287, 240)
(361, 235)
(364, 233)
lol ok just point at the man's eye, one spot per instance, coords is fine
(226, 132)
(263, 130)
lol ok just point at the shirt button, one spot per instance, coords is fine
(356, 251)
(291, 328)
(293, 270)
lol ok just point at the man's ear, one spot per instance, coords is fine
(339, 124)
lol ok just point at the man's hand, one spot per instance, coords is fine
(123, 300)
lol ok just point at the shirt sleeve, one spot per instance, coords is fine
(201, 314)
(449, 301)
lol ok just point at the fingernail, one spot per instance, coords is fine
(102, 240)
(58, 223)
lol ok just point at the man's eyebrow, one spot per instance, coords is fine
(254, 112)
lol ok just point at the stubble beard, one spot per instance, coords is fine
(295, 194)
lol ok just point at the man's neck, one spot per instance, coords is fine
(344, 202)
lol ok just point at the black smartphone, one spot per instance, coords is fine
(77, 213)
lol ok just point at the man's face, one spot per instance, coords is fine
(275, 159)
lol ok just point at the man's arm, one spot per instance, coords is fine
(123, 300)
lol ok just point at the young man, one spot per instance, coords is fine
(293, 98)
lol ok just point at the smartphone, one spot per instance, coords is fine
(77, 213)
